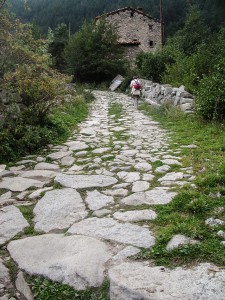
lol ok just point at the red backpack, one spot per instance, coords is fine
(137, 85)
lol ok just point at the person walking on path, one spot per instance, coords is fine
(135, 86)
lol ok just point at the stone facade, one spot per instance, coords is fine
(158, 94)
(137, 31)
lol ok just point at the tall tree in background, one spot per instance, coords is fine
(56, 47)
(93, 54)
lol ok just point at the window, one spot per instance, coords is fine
(132, 14)
(150, 26)
(151, 44)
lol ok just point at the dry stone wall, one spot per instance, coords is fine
(158, 94)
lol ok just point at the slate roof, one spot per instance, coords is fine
(139, 11)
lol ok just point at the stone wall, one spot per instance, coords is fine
(157, 94)
(135, 26)
(131, 52)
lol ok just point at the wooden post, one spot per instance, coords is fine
(161, 22)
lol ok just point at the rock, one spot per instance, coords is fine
(58, 210)
(179, 240)
(88, 132)
(221, 233)
(19, 184)
(2, 168)
(162, 169)
(102, 212)
(11, 223)
(77, 145)
(59, 154)
(173, 176)
(100, 150)
(135, 215)
(46, 166)
(67, 161)
(41, 175)
(116, 192)
(78, 261)
(96, 200)
(186, 107)
(140, 281)
(158, 195)
(4, 274)
(109, 229)
(143, 166)
(84, 181)
(171, 162)
(129, 176)
(126, 252)
(212, 222)
(36, 194)
(5, 196)
(140, 186)
(23, 287)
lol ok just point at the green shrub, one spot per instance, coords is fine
(39, 90)
(153, 65)
(210, 101)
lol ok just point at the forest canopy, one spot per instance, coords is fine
(75, 12)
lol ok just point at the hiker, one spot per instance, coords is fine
(135, 86)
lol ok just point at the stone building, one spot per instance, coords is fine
(137, 31)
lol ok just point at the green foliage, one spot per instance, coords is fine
(153, 65)
(210, 101)
(39, 90)
(19, 139)
(93, 55)
(45, 289)
(59, 39)
(194, 32)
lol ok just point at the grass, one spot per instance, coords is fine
(44, 289)
(116, 109)
(187, 213)
(24, 139)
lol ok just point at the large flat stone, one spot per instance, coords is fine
(135, 215)
(158, 195)
(58, 210)
(59, 154)
(110, 229)
(78, 261)
(96, 200)
(11, 223)
(19, 184)
(4, 274)
(139, 281)
(84, 181)
(77, 145)
(41, 175)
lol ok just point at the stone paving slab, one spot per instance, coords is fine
(110, 229)
(84, 181)
(158, 195)
(78, 261)
(58, 210)
(141, 281)
(19, 184)
(11, 223)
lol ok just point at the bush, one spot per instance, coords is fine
(210, 101)
(153, 65)
(39, 90)
(20, 139)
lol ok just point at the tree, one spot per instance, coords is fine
(57, 45)
(194, 32)
(93, 54)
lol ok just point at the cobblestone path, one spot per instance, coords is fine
(87, 197)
